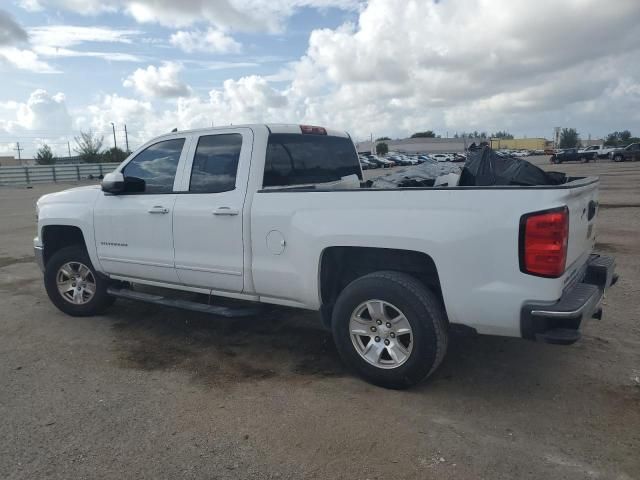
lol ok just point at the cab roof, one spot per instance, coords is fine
(272, 127)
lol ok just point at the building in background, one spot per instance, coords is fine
(421, 145)
(520, 143)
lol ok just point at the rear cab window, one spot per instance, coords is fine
(295, 159)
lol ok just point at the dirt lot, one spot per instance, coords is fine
(148, 392)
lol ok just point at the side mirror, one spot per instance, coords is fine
(113, 183)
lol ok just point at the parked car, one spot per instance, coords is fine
(628, 153)
(573, 155)
(426, 158)
(602, 151)
(383, 162)
(398, 160)
(275, 214)
(441, 157)
(365, 164)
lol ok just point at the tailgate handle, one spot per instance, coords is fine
(593, 208)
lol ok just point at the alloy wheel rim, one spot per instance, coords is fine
(381, 334)
(76, 283)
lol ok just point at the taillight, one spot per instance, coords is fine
(313, 130)
(544, 237)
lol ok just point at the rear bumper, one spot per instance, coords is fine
(560, 323)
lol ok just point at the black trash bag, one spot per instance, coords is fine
(485, 167)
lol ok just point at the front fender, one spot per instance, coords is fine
(73, 208)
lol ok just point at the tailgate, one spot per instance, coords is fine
(582, 202)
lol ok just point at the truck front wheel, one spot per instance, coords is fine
(390, 329)
(73, 284)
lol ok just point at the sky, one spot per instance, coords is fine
(381, 68)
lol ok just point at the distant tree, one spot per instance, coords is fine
(612, 139)
(382, 139)
(427, 134)
(455, 135)
(113, 155)
(483, 135)
(44, 156)
(625, 135)
(475, 134)
(569, 138)
(506, 135)
(88, 146)
(382, 148)
(615, 139)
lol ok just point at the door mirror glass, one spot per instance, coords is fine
(113, 183)
(134, 185)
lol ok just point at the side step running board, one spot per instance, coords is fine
(230, 312)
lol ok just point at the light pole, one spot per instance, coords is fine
(113, 126)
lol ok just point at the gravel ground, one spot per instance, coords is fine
(149, 392)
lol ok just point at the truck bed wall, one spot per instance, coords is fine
(471, 234)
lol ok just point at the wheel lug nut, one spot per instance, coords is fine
(373, 329)
(388, 324)
(386, 341)
(73, 284)
(392, 335)
(377, 339)
(379, 322)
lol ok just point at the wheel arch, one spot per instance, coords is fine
(340, 265)
(56, 237)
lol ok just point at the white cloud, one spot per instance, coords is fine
(41, 112)
(253, 15)
(211, 41)
(24, 59)
(450, 66)
(160, 81)
(482, 64)
(52, 52)
(71, 35)
(55, 40)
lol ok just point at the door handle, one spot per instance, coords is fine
(159, 209)
(226, 211)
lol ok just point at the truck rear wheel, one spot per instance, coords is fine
(74, 285)
(390, 329)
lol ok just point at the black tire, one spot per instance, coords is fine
(420, 307)
(617, 158)
(100, 299)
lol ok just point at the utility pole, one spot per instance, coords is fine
(126, 137)
(113, 126)
(19, 149)
(69, 148)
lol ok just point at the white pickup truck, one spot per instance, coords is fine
(276, 214)
(602, 151)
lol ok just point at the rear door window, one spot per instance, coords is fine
(215, 163)
(298, 159)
